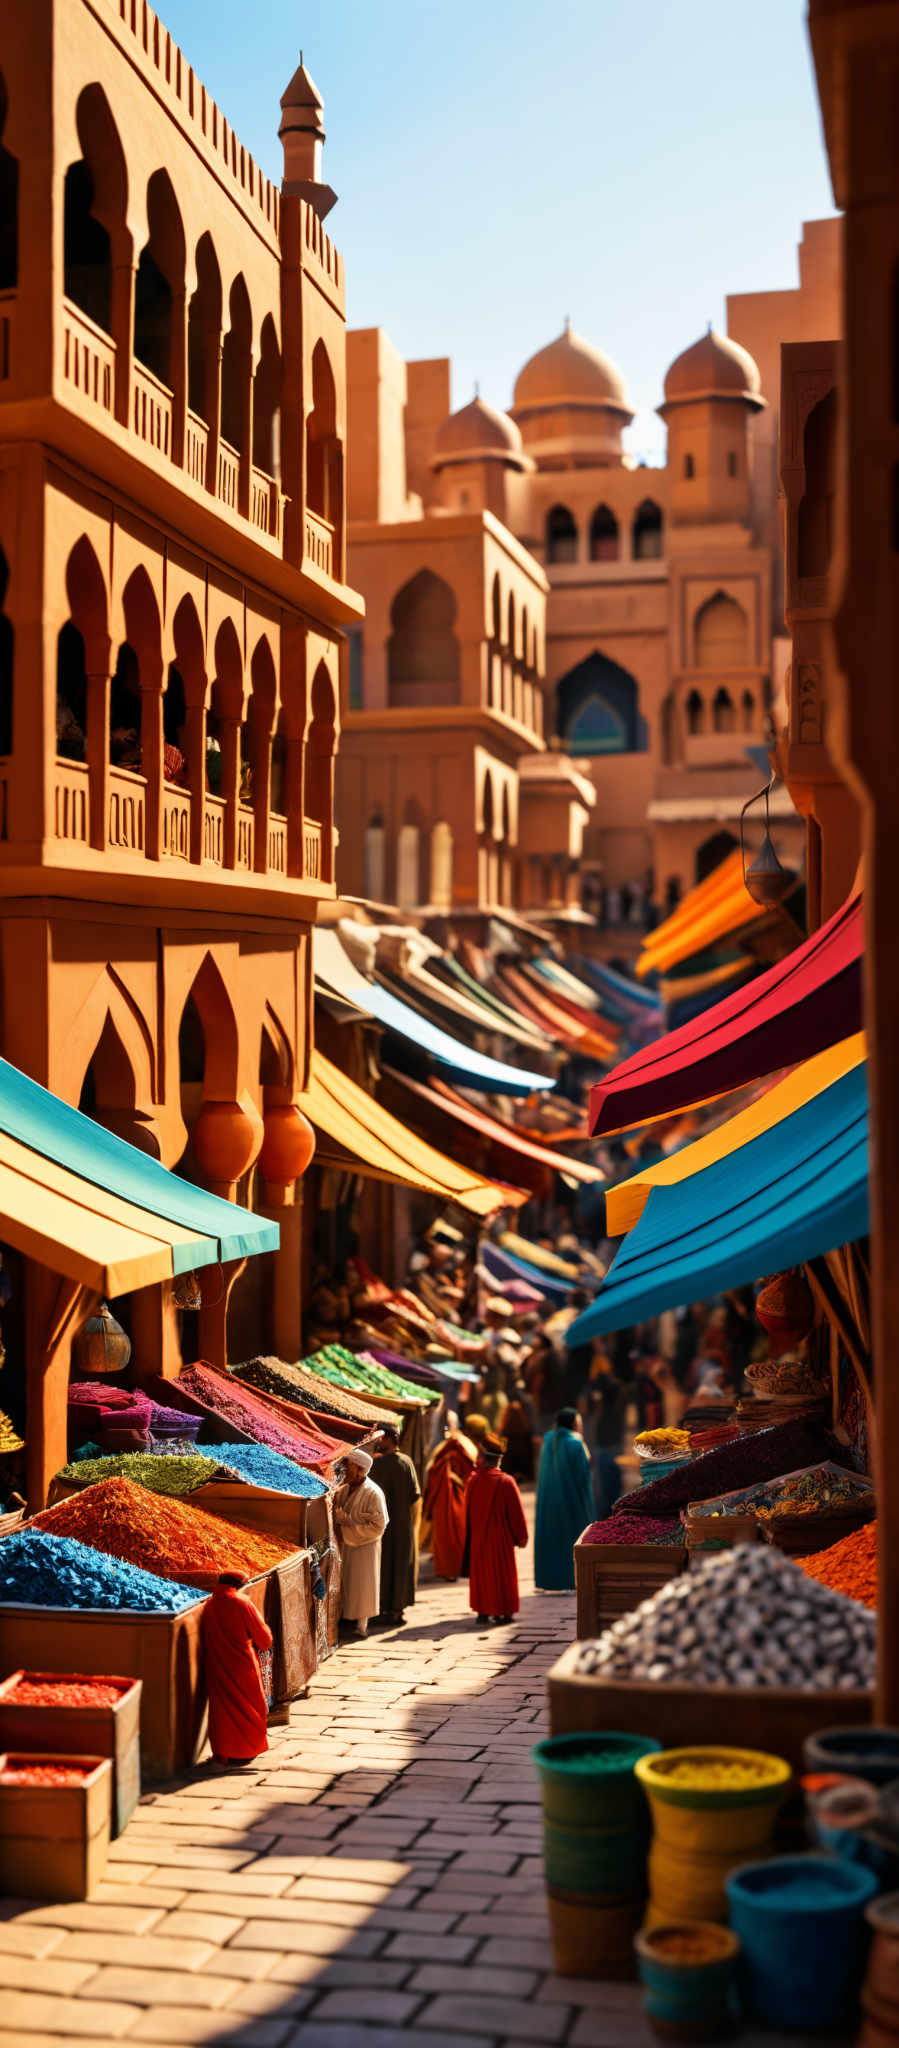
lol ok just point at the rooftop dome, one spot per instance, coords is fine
(477, 430)
(569, 371)
(714, 368)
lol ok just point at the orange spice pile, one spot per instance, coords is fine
(161, 1535)
(849, 1566)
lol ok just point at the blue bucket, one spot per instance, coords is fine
(800, 1920)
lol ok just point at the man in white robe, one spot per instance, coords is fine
(360, 1517)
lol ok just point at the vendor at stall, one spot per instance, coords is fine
(360, 1517)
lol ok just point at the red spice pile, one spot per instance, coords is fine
(616, 1529)
(235, 1404)
(44, 1774)
(67, 1692)
(161, 1534)
(849, 1566)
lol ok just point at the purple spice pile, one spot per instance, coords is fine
(765, 1454)
(650, 1529)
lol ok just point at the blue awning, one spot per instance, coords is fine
(795, 1192)
(505, 1266)
(335, 970)
(52, 1128)
(616, 987)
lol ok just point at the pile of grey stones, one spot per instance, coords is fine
(747, 1618)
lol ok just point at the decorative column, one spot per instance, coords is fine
(214, 412)
(152, 744)
(178, 375)
(287, 1150)
(195, 742)
(124, 273)
(98, 692)
(229, 742)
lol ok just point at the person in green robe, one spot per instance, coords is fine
(564, 1504)
(397, 1478)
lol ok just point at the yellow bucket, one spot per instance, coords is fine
(712, 1809)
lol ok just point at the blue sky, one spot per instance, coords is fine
(500, 166)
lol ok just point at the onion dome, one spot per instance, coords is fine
(714, 367)
(570, 371)
(478, 433)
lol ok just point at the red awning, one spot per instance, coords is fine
(806, 1002)
(440, 1097)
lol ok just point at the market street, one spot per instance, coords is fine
(375, 1880)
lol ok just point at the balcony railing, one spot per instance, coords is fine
(312, 850)
(320, 543)
(266, 504)
(195, 446)
(88, 357)
(228, 475)
(71, 802)
(152, 410)
(246, 837)
(7, 334)
(277, 845)
(214, 830)
(175, 823)
(127, 810)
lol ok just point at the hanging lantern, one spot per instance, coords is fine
(767, 880)
(101, 1346)
(186, 1291)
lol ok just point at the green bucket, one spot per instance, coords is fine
(595, 1817)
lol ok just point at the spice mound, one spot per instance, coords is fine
(704, 1771)
(159, 1474)
(765, 1454)
(161, 1535)
(747, 1618)
(849, 1566)
(235, 1404)
(621, 1529)
(38, 1570)
(28, 1773)
(298, 1384)
(67, 1692)
(699, 1943)
(662, 1443)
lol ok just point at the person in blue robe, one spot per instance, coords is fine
(564, 1504)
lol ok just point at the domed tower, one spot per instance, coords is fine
(571, 405)
(475, 452)
(710, 393)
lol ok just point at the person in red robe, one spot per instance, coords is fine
(233, 1633)
(447, 1480)
(496, 1529)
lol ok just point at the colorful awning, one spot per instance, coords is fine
(806, 1002)
(95, 1209)
(615, 988)
(357, 1135)
(719, 905)
(335, 970)
(793, 1193)
(444, 1102)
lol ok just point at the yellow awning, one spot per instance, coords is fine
(82, 1231)
(710, 912)
(362, 1137)
(685, 985)
(626, 1203)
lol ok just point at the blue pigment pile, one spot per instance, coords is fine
(55, 1571)
(262, 1467)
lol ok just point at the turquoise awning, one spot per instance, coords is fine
(795, 1192)
(52, 1128)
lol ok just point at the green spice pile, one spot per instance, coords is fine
(363, 1375)
(158, 1473)
(163, 1536)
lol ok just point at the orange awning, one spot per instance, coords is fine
(439, 1097)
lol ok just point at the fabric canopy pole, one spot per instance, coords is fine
(791, 1194)
(806, 1002)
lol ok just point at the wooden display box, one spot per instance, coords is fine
(773, 1718)
(611, 1578)
(163, 1650)
(54, 1839)
(112, 1731)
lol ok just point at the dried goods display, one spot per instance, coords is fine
(300, 1383)
(159, 1534)
(663, 1443)
(749, 1617)
(66, 1692)
(763, 1454)
(38, 1570)
(235, 1404)
(849, 1566)
(29, 1773)
(620, 1529)
(820, 1489)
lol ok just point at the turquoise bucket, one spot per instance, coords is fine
(801, 1925)
(688, 1997)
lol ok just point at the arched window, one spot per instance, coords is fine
(125, 711)
(605, 540)
(815, 527)
(408, 846)
(267, 403)
(71, 695)
(441, 865)
(7, 645)
(236, 368)
(722, 634)
(279, 768)
(9, 207)
(695, 713)
(159, 281)
(689, 466)
(648, 531)
(174, 729)
(748, 711)
(319, 768)
(87, 249)
(598, 709)
(423, 651)
(204, 328)
(374, 882)
(723, 716)
(561, 535)
(324, 455)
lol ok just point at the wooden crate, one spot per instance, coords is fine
(112, 1731)
(773, 1718)
(54, 1839)
(611, 1578)
(163, 1650)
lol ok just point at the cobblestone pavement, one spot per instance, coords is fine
(373, 1882)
